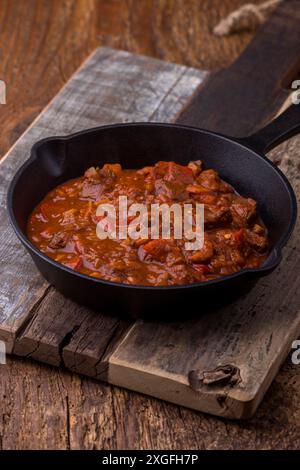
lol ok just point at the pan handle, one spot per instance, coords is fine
(286, 125)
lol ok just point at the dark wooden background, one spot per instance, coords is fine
(41, 44)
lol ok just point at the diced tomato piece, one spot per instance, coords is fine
(45, 210)
(238, 236)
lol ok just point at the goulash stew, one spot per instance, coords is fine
(63, 226)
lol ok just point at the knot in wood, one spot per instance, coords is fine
(224, 375)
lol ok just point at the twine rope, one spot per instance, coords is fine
(247, 18)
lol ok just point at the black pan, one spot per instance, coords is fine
(241, 162)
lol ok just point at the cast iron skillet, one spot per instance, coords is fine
(241, 162)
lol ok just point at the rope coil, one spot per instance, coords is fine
(247, 18)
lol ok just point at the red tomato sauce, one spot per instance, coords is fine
(63, 226)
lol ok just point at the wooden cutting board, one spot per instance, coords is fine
(163, 360)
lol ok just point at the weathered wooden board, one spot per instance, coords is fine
(111, 86)
(254, 334)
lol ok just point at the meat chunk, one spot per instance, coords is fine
(258, 242)
(174, 173)
(171, 179)
(59, 240)
(92, 190)
(203, 255)
(96, 174)
(213, 217)
(179, 274)
(68, 217)
(236, 257)
(109, 168)
(156, 250)
(211, 180)
(146, 171)
(242, 211)
(197, 189)
(92, 174)
(163, 188)
(162, 251)
(195, 166)
(97, 181)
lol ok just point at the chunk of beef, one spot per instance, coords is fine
(237, 257)
(171, 171)
(154, 250)
(169, 190)
(203, 255)
(59, 240)
(97, 181)
(146, 171)
(258, 242)
(68, 217)
(171, 179)
(163, 251)
(92, 174)
(179, 174)
(92, 190)
(242, 211)
(110, 168)
(196, 167)
(211, 180)
(216, 216)
(179, 274)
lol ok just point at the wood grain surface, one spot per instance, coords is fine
(127, 88)
(43, 42)
(156, 358)
(42, 407)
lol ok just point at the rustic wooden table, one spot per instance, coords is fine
(41, 45)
